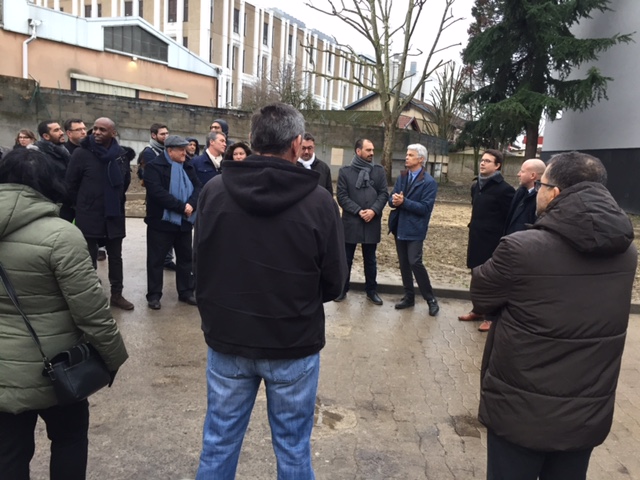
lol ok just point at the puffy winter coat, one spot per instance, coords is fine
(47, 261)
(562, 291)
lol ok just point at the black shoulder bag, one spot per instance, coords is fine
(75, 373)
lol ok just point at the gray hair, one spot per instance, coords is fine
(421, 150)
(274, 127)
(212, 136)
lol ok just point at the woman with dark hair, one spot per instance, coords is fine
(48, 264)
(238, 152)
(25, 138)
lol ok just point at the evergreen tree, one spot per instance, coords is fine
(524, 51)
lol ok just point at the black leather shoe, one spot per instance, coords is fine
(154, 304)
(374, 298)
(433, 307)
(191, 300)
(342, 296)
(406, 302)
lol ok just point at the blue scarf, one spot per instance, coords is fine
(113, 180)
(180, 187)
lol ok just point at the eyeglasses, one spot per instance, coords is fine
(538, 183)
(24, 137)
(83, 129)
(485, 160)
(304, 149)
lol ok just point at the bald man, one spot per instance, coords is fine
(97, 178)
(523, 205)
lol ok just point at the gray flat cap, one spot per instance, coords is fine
(175, 141)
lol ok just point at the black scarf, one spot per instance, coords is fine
(113, 179)
(365, 168)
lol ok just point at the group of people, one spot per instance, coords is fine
(552, 269)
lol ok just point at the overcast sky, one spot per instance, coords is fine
(423, 38)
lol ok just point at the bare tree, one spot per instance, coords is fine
(445, 100)
(391, 45)
(278, 85)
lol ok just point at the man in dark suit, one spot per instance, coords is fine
(523, 205)
(491, 198)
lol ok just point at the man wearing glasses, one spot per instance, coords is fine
(562, 290)
(309, 161)
(76, 131)
(491, 198)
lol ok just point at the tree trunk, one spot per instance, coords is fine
(531, 149)
(476, 161)
(387, 150)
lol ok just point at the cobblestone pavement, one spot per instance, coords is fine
(398, 395)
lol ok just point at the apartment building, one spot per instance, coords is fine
(245, 43)
(125, 57)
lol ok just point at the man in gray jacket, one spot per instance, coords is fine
(362, 193)
(562, 293)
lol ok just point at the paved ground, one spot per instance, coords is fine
(397, 399)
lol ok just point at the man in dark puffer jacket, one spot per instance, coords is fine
(552, 359)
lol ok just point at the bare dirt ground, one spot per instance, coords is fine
(445, 250)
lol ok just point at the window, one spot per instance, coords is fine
(185, 42)
(244, 27)
(329, 61)
(128, 9)
(211, 12)
(345, 70)
(87, 11)
(265, 34)
(135, 41)
(141, 8)
(172, 11)
(290, 48)
(228, 56)
(234, 58)
(236, 20)
(185, 11)
(210, 50)
(244, 56)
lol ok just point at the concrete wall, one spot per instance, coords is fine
(23, 105)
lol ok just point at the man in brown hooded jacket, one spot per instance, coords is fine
(562, 290)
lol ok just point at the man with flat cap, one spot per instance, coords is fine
(172, 196)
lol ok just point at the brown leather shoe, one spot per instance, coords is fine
(471, 317)
(117, 300)
(485, 326)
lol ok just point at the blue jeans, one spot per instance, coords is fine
(232, 385)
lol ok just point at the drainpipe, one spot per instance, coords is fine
(34, 24)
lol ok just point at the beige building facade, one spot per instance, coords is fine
(114, 56)
(244, 43)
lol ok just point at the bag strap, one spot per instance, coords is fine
(14, 298)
